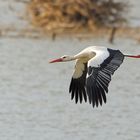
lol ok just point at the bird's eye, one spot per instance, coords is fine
(64, 56)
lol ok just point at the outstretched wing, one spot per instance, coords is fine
(99, 76)
(77, 85)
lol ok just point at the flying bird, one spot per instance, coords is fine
(93, 70)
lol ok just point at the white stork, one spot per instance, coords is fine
(93, 70)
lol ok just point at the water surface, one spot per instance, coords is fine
(34, 99)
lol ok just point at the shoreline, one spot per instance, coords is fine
(36, 33)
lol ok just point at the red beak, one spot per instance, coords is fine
(56, 60)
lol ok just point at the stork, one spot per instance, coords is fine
(93, 70)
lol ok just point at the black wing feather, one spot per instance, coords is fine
(77, 87)
(100, 77)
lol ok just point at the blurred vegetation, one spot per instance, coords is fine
(61, 16)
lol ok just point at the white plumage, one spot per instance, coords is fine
(100, 56)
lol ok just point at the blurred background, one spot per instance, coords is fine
(34, 99)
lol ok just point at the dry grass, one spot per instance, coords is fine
(75, 16)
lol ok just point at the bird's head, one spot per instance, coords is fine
(63, 59)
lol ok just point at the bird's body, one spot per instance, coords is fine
(93, 70)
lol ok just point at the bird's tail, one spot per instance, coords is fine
(132, 56)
